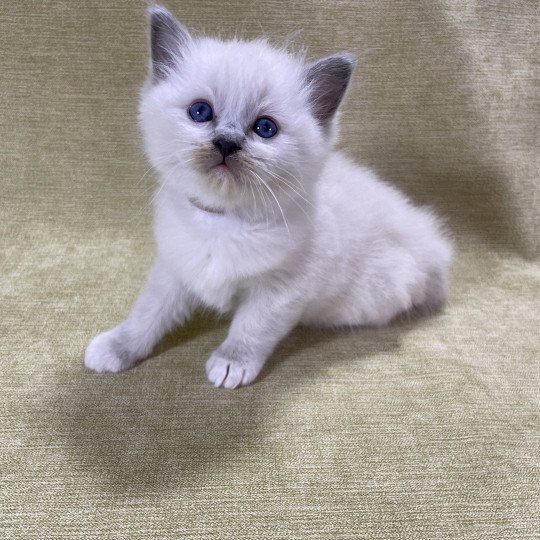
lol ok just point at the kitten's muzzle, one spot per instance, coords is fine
(226, 146)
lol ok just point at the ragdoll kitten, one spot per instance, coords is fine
(257, 215)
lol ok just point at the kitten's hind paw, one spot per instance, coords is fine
(230, 373)
(106, 354)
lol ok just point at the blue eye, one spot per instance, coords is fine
(265, 128)
(200, 111)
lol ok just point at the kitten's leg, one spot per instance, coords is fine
(257, 327)
(162, 304)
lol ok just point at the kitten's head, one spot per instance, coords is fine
(233, 122)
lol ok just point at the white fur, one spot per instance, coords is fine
(332, 245)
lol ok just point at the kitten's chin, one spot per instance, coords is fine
(221, 184)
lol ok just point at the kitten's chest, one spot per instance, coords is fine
(215, 256)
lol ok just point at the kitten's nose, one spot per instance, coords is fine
(226, 146)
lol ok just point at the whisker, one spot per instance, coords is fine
(282, 179)
(276, 199)
(264, 202)
(253, 196)
(149, 204)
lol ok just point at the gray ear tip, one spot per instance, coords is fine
(160, 16)
(343, 63)
(348, 58)
(161, 19)
(156, 10)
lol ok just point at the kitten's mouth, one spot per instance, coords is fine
(223, 169)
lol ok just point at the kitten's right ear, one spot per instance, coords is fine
(168, 40)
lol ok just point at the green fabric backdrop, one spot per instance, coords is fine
(425, 430)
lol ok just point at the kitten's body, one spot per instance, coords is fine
(329, 245)
(360, 257)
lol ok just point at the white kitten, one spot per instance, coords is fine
(257, 215)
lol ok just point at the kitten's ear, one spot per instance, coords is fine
(328, 79)
(168, 38)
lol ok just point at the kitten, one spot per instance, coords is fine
(256, 214)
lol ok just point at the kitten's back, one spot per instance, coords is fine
(392, 255)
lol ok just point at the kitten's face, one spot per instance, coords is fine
(231, 123)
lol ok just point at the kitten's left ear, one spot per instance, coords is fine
(328, 79)
(168, 40)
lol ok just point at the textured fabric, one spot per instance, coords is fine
(425, 430)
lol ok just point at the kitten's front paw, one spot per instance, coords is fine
(230, 373)
(106, 354)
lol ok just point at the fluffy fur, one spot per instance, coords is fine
(283, 232)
